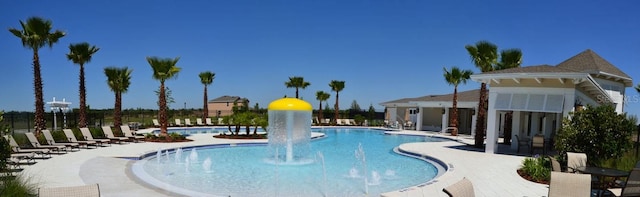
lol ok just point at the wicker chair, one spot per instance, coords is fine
(631, 187)
(569, 184)
(92, 190)
(462, 188)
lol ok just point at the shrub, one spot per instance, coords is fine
(17, 186)
(537, 168)
(599, 132)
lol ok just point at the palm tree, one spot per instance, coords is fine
(163, 69)
(509, 58)
(336, 86)
(80, 54)
(455, 77)
(119, 80)
(206, 78)
(321, 96)
(35, 34)
(296, 82)
(484, 56)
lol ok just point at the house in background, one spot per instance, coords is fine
(538, 97)
(223, 106)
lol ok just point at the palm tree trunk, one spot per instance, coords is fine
(83, 100)
(320, 115)
(117, 111)
(508, 120)
(37, 85)
(337, 111)
(205, 108)
(163, 110)
(454, 114)
(297, 92)
(480, 119)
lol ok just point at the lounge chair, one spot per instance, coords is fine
(156, 123)
(187, 122)
(555, 165)
(86, 133)
(569, 184)
(22, 158)
(72, 138)
(575, 160)
(109, 134)
(208, 121)
(462, 188)
(522, 142)
(92, 190)
(51, 141)
(130, 134)
(42, 152)
(178, 123)
(34, 142)
(199, 122)
(631, 187)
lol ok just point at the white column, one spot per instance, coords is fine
(445, 118)
(419, 119)
(473, 121)
(492, 122)
(535, 123)
(515, 129)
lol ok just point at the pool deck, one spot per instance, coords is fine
(491, 174)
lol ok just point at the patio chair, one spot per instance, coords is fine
(156, 123)
(109, 134)
(199, 122)
(34, 142)
(555, 165)
(72, 138)
(569, 184)
(187, 122)
(575, 160)
(130, 134)
(42, 152)
(522, 142)
(86, 133)
(462, 188)
(51, 141)
(92, 190)
(538, 143)
(178, 123)
(631, 187)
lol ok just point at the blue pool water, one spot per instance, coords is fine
(245, 170)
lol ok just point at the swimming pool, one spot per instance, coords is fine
(243, 170)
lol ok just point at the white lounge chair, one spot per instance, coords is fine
(199, 122)
(187, 122)
(156, 123)
(109, 134)
(15, 148)
(130, 134)
(86, 133)
(51, 141)
(72, 138)
(208, 122)
(178, 123)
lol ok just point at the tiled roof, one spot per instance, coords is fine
(464, 96)
(227, 99)
(590, 62)
(532, 69)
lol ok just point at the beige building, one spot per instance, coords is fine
(223, 106)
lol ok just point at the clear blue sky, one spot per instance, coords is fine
(384, 50)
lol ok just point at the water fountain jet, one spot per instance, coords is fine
(290, 130)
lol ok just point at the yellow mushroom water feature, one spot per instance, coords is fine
(289, 131)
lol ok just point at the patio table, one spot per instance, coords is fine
(602, 173)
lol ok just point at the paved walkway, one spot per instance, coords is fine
(491, 174)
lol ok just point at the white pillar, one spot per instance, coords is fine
(492, 122)
(535, 123)
(515, 129)
(419, 119)
(473, 121)
(445, 118)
